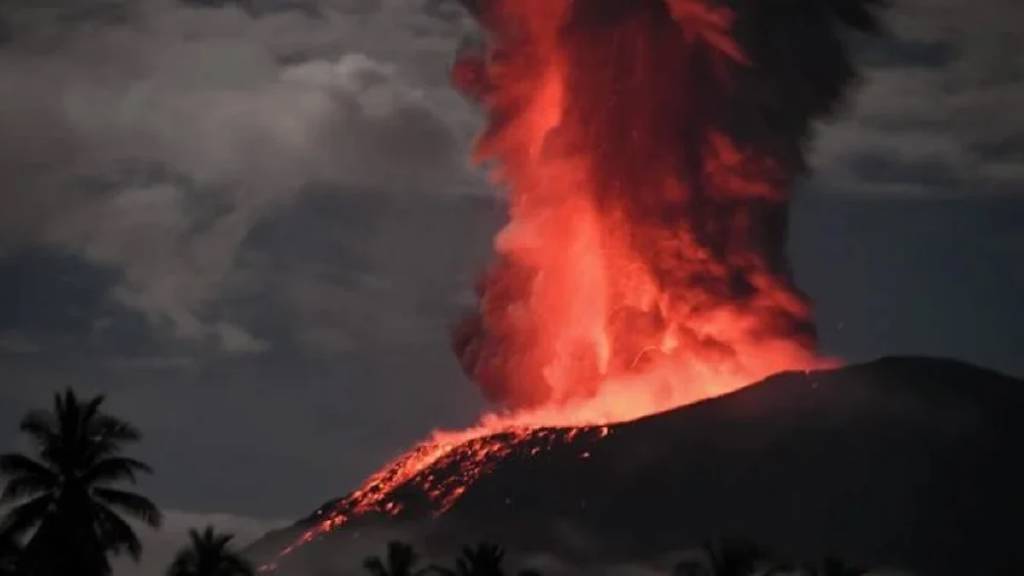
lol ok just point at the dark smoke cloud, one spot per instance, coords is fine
(802, 68)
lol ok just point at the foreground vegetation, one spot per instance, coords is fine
(68, 510)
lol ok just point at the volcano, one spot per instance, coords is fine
(906, 462)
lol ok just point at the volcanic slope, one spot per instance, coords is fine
(908, 462)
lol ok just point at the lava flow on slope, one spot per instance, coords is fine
(647, 148)
(436, 472)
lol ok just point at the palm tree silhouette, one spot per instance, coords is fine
(66, 494)
(484, 559)
(209, 554)
(400, 561)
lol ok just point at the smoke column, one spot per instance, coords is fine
(647, 148)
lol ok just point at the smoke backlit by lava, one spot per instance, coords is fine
(647, 149)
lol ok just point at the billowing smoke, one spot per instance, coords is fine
(647, 148)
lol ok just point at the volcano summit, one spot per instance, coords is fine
(905, 462)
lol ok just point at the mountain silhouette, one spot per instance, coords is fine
(901, 462)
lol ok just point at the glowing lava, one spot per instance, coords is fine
(643, 263)
(647, 157)
(438, 470)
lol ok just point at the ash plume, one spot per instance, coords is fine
(647, 148)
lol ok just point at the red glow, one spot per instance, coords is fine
(642, 267)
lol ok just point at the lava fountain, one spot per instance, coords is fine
(647, 148)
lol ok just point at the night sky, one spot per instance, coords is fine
(252, 224)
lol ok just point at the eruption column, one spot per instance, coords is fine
(643, 265)
(647, 148)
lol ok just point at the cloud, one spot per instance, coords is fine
(154, 142)
(933, 115)
(236, 340)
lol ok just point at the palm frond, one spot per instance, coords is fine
(91, 408)
(209, 550)
(133, 504)
(186, 561)
(375, 566)
(115, 468)
(23, 487)
(40, 426)
(115, 534)
(234, 565)
(196, 538)
(27, 477)
(24, 517)
(401, 558)
(115, 429)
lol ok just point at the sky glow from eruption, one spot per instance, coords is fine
(647, 157)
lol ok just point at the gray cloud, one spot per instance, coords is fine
(250, 224)
(935, 112)
(154, 143)
(250, 231)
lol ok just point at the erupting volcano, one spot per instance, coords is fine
(643, 264)
(647, 148)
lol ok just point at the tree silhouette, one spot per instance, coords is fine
(728, 558)
(484, 559)
(742, 558)
(400, 561)
(209, 554)
(65, 496)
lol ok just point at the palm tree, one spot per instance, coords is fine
(401, 561)
(66, 496)
(482, 560)
(209, 554)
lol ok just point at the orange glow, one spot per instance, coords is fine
(642, 267)
(439, 469)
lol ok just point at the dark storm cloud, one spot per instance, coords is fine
(879, 168)
(895, 52)
(248, 224)
(156, 148)
(935, 113)
(355, 291)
